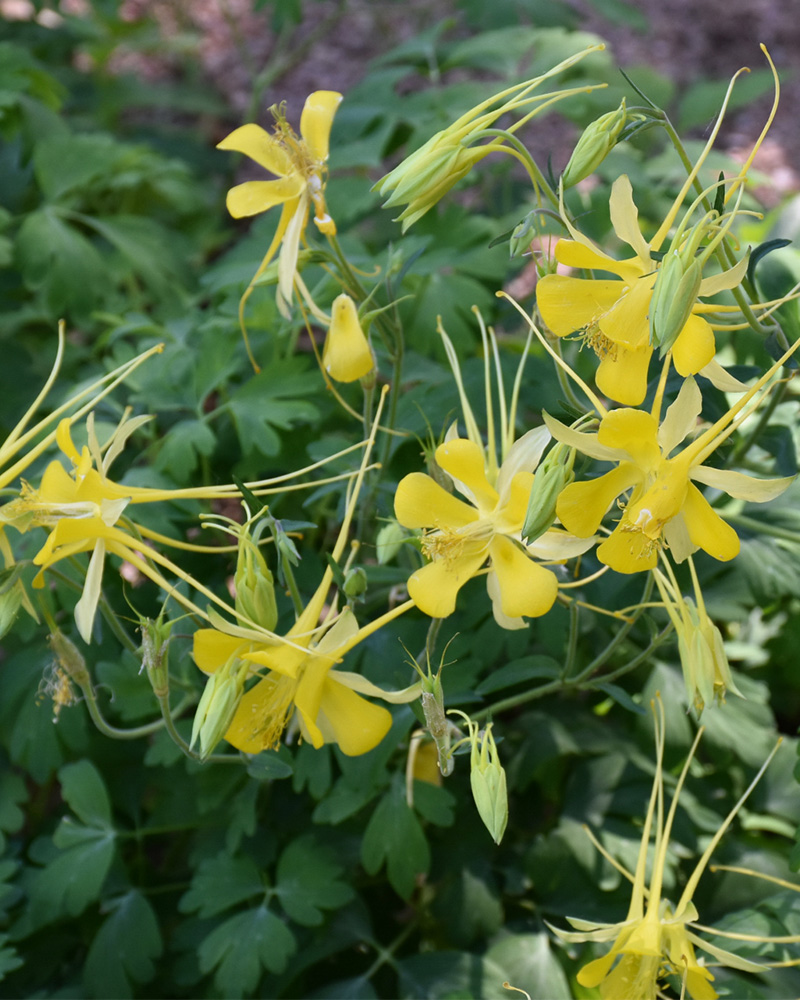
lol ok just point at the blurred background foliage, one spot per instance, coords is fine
(127, 870)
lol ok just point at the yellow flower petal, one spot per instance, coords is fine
(574, 254)
(346, 356)
(633, 431)
(434, 588)
(694, 347)
(349, 720)
(622, 374)
(464, 461)
(736, 484)
(253, 197)
(569, 304)
(526, 588)
(511, 517)
(628, 551)
(211, 649)
(317, 119)
(707, 529)
(582, 506)
(627, 321)
(260, 146)
(625, 217)
(420, 502)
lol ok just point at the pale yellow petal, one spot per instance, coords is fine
(681, 417)
(738, 485)
(212, 649)
(526, 588)
(317, 119)
(420, 502)
(253, 197)
(434, 588)
(569, 304)
(625, 217)
(707, 529)
(694, 347)
(632, 431)
(627, 322)
(585, 256)
(582, 506)
(585, 443)
(464, 460)
(726, 280)
(260, 146)
(622, 374)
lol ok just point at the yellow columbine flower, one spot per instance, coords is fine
(425, 176)
(297, 671)
(299, 164)
(614, 316)
(617, 319)
(462, 536)
(665, 505)
(657, 940)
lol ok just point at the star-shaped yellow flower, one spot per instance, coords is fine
(299, 166)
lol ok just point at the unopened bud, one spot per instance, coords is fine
(255, 587)
(389, 541)
(218, 704)
(355, 582)
(523, 235)
(69, 659)
(549, 480)
(488, 781)
(706, 671)
(674, 296)
(346, 356)
(594, 145)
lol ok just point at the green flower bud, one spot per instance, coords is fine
(488, 781)
(390, 540)
(355, 582)
(594, 145)
(218, 704)
(255, 587)
(674, 296)
(549, 480)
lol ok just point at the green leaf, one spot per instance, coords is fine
(56, 258)
(84, 792)
(308, 882)
(394, 836)
(69, 162)
(453, 975)
(123, 950)
(271, 765)
(182, 447)
(9, 959)
(242, 946)
(12, 791)
(75, 877)
(220, 883)
(528, 668)
(278, 398)
(312, 770)
(528, 962)
(435, 804)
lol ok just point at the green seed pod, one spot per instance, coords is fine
(155, 648)
(594, 145)
(355, 582)
(549, 480)
(488, 781)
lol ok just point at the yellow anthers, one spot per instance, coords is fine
(346, 356)
(218, 704)
(487, 778)
(552, 476)
(594, 145)
(56, 686)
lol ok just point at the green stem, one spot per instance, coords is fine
(744, 443)
(386, 955)
(176, 738)
(761, 528)
(537, 177)
(115, 732)
(572, 641)
(291, 583)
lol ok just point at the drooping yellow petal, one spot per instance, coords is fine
(695, 346)
(582, 506)
(738, 485)
(259, 145)
(569, 304)
(420, 502)
(574, 254)
(352, 722)
(253, 197)
(434, 587)
(317, 119)
(625, 217)
(526, 588)
(622, 374)
(464, 461)
(707, 529)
